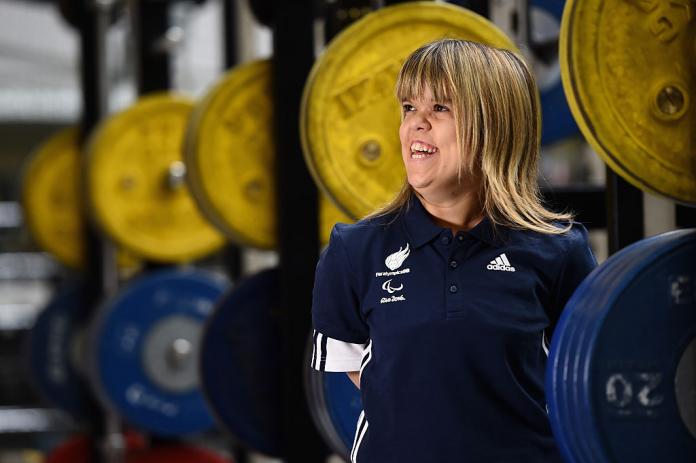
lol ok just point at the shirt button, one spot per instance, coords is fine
(453, 263)
(460, 237)
(445, 240)
(453, 288)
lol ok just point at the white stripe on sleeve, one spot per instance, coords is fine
(367, 356)
(336, 356)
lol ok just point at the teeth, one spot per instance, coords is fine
(421, 148)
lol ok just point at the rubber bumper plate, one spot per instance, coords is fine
(53, 351)
(230, 157)
(240, 363)
(135, 182)
(146, 343)
(79, 449)
(628, 72)
(176, 454)
(621, 377)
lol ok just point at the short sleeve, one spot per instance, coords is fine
(577, 263)
(340, 332)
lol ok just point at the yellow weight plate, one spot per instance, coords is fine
(230, 158)
(136, 182)
(50, 198)
(350, 117)
(629, 73)
(51, 201)
(229, 154)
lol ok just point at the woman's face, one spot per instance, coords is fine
(429, 146)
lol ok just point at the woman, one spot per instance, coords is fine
(440, 306)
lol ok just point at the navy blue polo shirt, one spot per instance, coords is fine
(449, 334)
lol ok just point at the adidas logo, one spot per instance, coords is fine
(501, 263)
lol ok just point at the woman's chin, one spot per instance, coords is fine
(424, 189)
(433, 191)
(418, 184)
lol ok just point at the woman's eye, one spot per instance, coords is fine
(440, 108)
(407, 107)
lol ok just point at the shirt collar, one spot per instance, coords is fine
(421, 228)
(487, 231)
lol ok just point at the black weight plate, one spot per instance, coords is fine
(240, 363)
(51, 352)
(621, 376)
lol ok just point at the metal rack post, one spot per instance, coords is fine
(100, 268)
(624, 212)
(293, 54)
(685, 216)
(232, 253)
(153, 44)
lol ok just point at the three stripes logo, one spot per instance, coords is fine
(501, 263)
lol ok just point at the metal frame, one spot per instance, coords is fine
(685, 216)
(232, 254)
(298, 229)
(150, 20)
(100, 268)
(624, 212)
(587, 202)
(150, 24)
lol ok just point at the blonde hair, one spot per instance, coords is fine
(496, 110)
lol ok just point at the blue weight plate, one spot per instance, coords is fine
(569, 335)
(622, 378)
(558, 385)
(335, 405)
(596, 301)
(557, 120)
(51, 349)
(240, 363)
(146, 341)
(610, 279)
(565, 373)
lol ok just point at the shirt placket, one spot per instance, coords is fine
(451, 250)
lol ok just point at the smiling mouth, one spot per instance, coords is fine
(421, 150)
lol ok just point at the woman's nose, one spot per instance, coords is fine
(421, 122)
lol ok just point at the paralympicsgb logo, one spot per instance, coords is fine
(394, 261)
